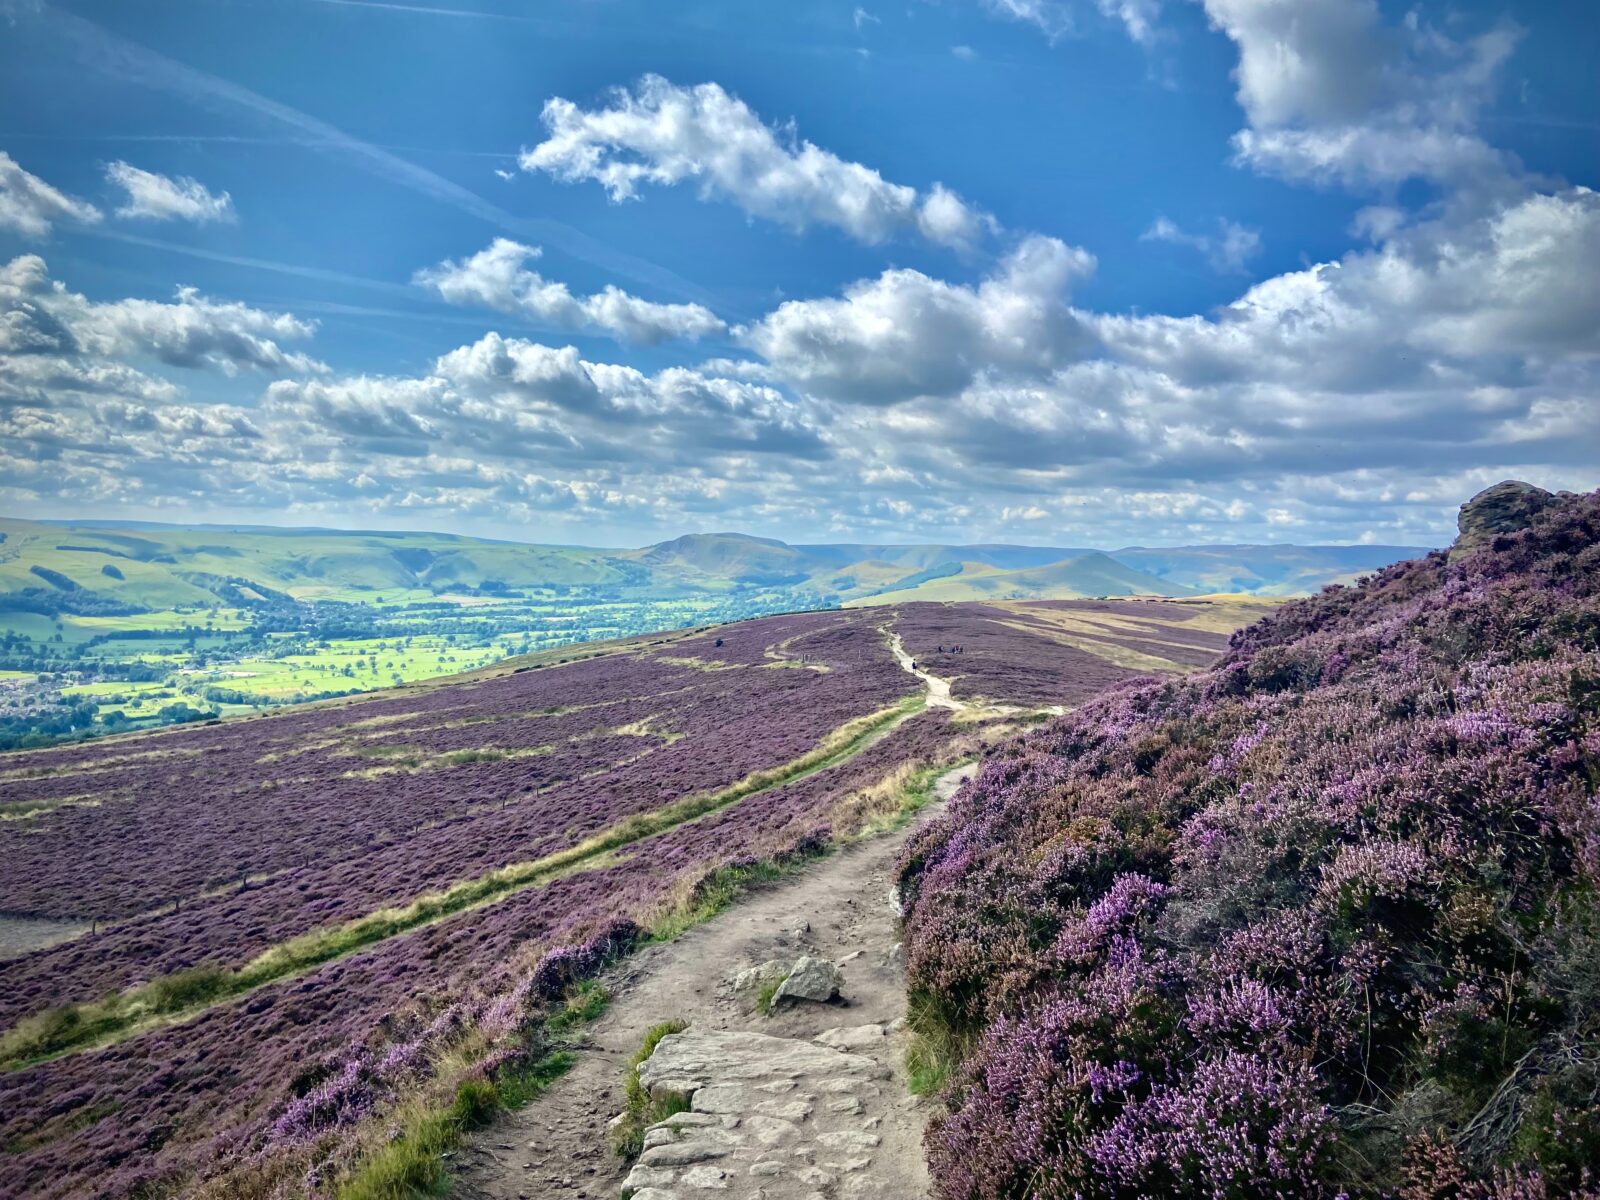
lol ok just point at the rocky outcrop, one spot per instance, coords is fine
(769, 1118)
(1504, 508)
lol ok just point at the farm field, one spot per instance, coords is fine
(311, 926)
(127, 669)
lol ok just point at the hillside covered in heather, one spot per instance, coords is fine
(1320, 920)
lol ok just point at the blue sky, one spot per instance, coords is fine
(1079, 273)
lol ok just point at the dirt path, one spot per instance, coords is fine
(839, 909)
(938, 689)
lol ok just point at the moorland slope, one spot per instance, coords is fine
(302, 949)
(1319, 921)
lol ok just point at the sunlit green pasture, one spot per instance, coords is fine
(348, 664)
(136, 701)
(219, 620)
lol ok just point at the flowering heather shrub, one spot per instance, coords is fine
(1318, 921)
(563, 966)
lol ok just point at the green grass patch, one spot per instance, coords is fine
(643, 1110)
(767, 996)
(521, 1087)
(393, 757)
(712, 895)
(412, 1164)
(23, 809)
(934, 1053)
(588, 1001)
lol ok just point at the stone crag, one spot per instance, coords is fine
(1504, 508)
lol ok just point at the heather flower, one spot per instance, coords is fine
(1242, 1125)
(1380, 870)
(1243, 1013)
(1367, 846)
(564, 966)
(1130, 899)
(348, 1095)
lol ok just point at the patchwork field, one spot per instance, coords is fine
(311, 923)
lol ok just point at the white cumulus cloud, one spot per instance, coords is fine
(1332, 93)
(498, 277)
(156, 197)
(30, 206)
(42, 317)
(906, 334)
(665, 134)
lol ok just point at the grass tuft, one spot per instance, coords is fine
(767, 996)
(934, 1052)
(643, 1110)
(588, 1000)
(410, 1162)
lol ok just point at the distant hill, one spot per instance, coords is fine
(1278, 570)
(167, 566)
(722, 558)
(1091, 574)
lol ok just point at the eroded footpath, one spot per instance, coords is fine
(822, 1109)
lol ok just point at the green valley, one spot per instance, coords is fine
(112, 626)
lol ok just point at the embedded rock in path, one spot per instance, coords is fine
(814, 979)
(687, 1062)
(770, 971)
(768, 1117)
(855, 1037)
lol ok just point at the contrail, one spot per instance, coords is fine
(239, 139)
(320, 274)
(435, 11)
(116, 55)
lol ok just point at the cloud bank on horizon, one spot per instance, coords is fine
(932, 362)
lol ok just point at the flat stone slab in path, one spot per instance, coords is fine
(769, 1118)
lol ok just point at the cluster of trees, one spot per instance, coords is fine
(81, 717)
(57, 601)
